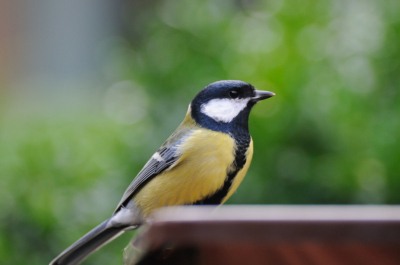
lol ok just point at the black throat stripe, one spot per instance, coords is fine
(242, 145)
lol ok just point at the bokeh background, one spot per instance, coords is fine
(90, 89)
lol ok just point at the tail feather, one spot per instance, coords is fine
(89, 243)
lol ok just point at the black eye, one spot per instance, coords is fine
(233, 94)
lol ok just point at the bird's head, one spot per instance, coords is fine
(225, 105)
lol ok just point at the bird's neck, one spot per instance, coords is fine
(238, 128)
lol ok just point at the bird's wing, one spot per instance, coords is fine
(160, 161)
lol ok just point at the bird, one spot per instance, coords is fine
(202, 163)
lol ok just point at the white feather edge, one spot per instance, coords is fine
(157, 157)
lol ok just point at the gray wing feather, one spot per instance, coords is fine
(152, 168)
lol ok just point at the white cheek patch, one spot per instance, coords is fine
(223, 109)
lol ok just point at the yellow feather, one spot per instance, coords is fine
(206, 158)
(242, 173)
(199, 172)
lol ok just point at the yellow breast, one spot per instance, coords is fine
(199, 172)
(242, 173)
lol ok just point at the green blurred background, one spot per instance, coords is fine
(90, 89)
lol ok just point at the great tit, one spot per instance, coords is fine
(202, 162)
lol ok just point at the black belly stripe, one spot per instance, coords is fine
(240, 160)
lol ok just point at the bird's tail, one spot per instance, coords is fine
(87, 244)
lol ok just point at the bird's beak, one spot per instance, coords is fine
(261, 95)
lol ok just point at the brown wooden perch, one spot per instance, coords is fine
(287, 235)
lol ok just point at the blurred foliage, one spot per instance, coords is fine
(330, 135)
